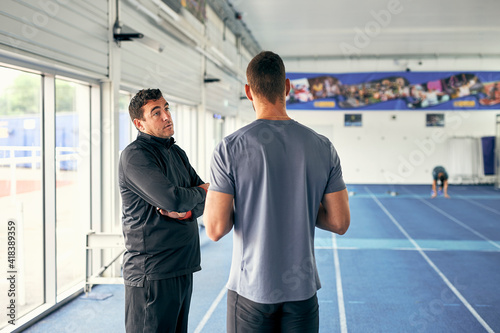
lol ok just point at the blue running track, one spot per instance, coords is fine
(408, 263)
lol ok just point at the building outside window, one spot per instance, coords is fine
(21, 196)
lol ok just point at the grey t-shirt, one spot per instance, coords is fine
(278, 172)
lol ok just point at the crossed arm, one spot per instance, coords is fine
(141, 170)
(181, 216)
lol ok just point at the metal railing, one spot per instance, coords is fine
(33, 161)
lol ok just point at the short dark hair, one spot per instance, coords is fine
(140, 99)
(266, 76)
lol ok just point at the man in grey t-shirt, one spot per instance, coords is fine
(274, 180)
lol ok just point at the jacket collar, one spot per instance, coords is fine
(156, 140)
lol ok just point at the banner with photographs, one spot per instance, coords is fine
(197, 8)
(395, 91)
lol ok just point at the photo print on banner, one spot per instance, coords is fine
(394, 91)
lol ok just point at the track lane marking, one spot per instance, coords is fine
(211, 310)
(431, 263)
(340, 292)
(460, 223)
(454, 219)
(479, 204)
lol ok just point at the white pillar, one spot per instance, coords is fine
(110, 133)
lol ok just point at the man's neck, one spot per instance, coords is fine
(275, 117)
(271, 111)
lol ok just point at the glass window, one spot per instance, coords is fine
(21, 196)
(218, 128)
(127, 133)
(127, 129)
(72, 181)
(185, 122)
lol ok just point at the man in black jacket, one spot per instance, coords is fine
(162, 196)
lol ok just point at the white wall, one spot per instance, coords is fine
(401, 150)
(394, 146)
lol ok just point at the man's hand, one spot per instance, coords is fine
(173, 215)
(204, 186)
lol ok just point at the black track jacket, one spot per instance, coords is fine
(155, 172)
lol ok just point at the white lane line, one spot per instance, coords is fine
(465, 226)
(340, 292)
(477, 233)
(356, 302)
(436, 269)
(211, 310)
(480, 205)
(339, 247)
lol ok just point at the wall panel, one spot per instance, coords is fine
(73, 34)
(222, 97)
(176, 70)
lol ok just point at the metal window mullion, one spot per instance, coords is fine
(95, 158)
(497, 153)
(94, 257)
(49, 188)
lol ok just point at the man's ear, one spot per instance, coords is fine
(138, 124)
(248, 92)
(287, 86)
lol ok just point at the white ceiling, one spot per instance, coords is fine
(336, 28)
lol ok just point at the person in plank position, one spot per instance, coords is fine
(439, 174)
